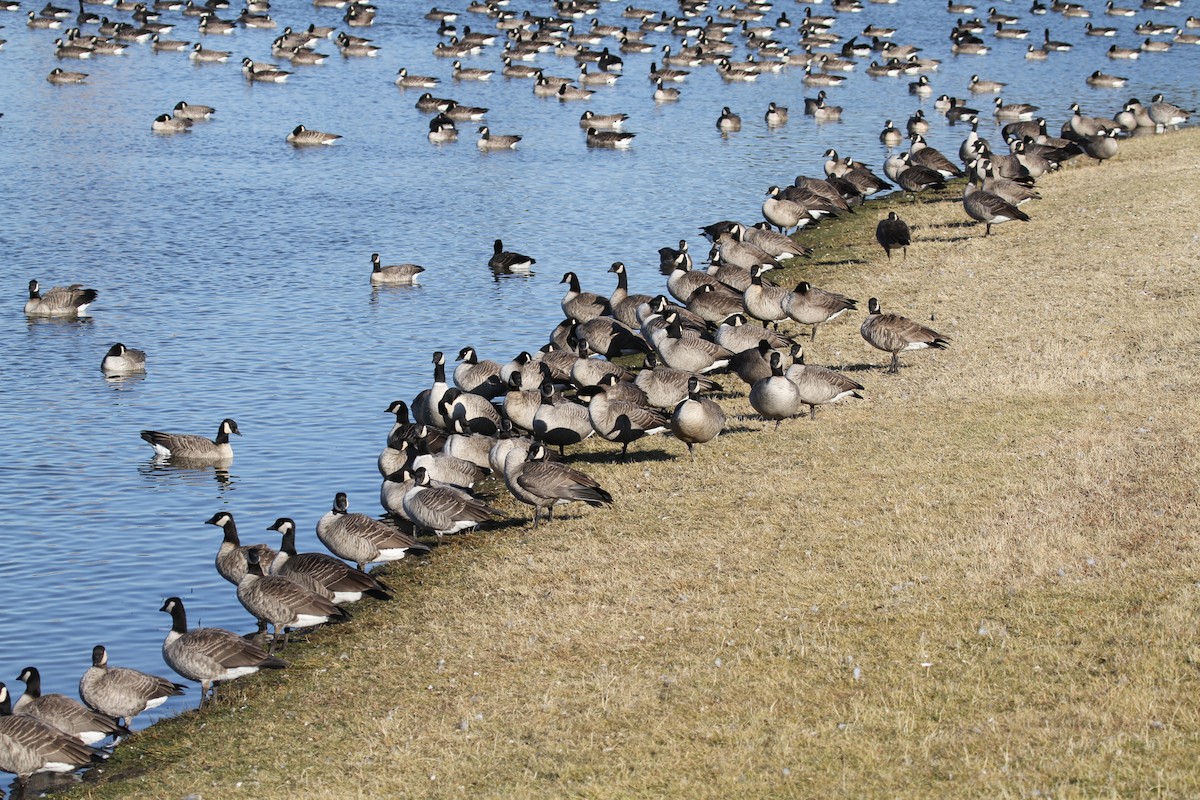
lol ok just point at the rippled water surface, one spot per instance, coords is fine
(240, 265)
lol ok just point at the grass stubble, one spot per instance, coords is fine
(980, 581)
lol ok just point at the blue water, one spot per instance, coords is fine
(241, 266)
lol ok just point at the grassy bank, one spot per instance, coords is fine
(979, 581)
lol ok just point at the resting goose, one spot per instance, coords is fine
(120, 692)
(393, 274)
(122, 360)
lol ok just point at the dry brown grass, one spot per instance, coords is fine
(981, 581)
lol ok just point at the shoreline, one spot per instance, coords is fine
(973, 582)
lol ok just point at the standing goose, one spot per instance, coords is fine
(894, 334)
(477, 377)
(475, 412)
(28, 745)
(620, 420)
(521, 404)
(559, 422)
(184, 447)
(283, 603)
(764, 300)
(809, 305)
(893, 232)
(233, 557)
(988, 208)
(666, 387)
(582, 306)
(210, 655)
(122, 360)
(696, 419)
(393, 274)
(688, 353)
(507, 261)
(624, 305)
(443, 510)
(775, 397)
(819, 386)
(544, 484)
(362, 539)
(60, 301)
(426, 405)
(120, 692)
(69, 716)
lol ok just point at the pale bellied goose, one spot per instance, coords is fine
(894, 334)
(521, 404)
(609, 337)
(611, 140)
(820, 386)
(893, 232)
(362, 539)
(688, 353)
(988, 208)
(122, 360)
(763, 300)
(393, 274)
(696, 419)
(425, 406)
(470, 447)
(210, 655)
(619, 420)
(735, 334)
(507, 261)
(559, 422)
(712, 305)
(283, 603)
(61, 301)
(1166, 115)
(120, 692)
(68, 715)
(193, 111)
(477, 377)
(545, 484)
(489, 141)
(301, 136)
(772, 242)
(666, 387)
(1021, 111)
(728, 122)
(1101, 147)
(602, 122)
(233, 556)
(28, 745)
(809, 305)
(165, 123)
(775, 397)
(185, 447)
(891, 135)
(443, 510)
(406, 81)
(61, 77)
(579, 305)
(776, 115)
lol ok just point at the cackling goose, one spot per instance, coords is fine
(68, 715)
(666, 387)
(362, 539)
(775, 397)
(474, 411)
(893, 232)
(28, 745)
(192, 111)
(232, 555)
(185, 447)
(894, 334)
(624, 305)
(283, 603)
(544, 484)
(203, 55)
(820, 386)
(393, 274)
(122, 360)
(764, 300)
(520, 404)
(302, 136)
(809, 305)
(776, 115)
(61, 301)
(461, 73)
(443, 510)
(696, 419)
(728, 122)
(120, 692)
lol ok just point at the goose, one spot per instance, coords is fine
(1151, 46)
(520, 405)
(122, 360)
(405, 80)
(1009, 191)
(979, 86)
(911, 177)
(612, 140)
(664, 94)
(302, 136)
(28, 745)
(544, 484)
(735, 247)
(922, 155)
(461, 73)
(204, 55)
(1102, 146)
(65, 50)
(666, 74)
(666, 387)
(764, 300)
(507, 261)
(232, 556)
(784, 214)
(362, 539)
(192, 448)
(442, 130)
(477, 377)
(1166, 115)
(460, 113)
(775, 116)
(623, 304)
(890, 135)
(1053, 45)
(283, 603)
(213, 25)
(696, 419)
(736, 335)
(602, 122)
(120, 692)
(619, 420)
(567, 92)
(728, 122)
(688, 353)
(442, 467)
(714, 306)
(192, 111)
(60, 301)
(474, 411)
(443, 510)
(579, 305)
(809, 305)
(559, 422)
(753, 363)
(988, 208)
(894, 334)
(489, 141)
(393, 274)
(775, 397)
(68, 715)
(470, 447)
(610, 338)
(425, 407)
(159, 45)
(893, 232)
(820, 385)
(776, 245)
(165, 123)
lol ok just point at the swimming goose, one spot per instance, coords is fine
(477, 377)
(775, 116)
(60, 301)
(362, 539)
(894, 334)
(612, 140)
(302, 136)
(192, 111)
(567, 92)
(204, 55)
(544, 484)
(490, 141)
(461, 73)
(120, 692)
(189, 447)
(582, 306)
(602, 122)
(232, 556)
(819, 385)
(729, 122)
(441, 130)
(664, 94)
(165, 123)
(283, 603)
(775, 397)
(393, 274)
(696, 419)
(28, 745)
(406, 81)
(620, 420)
(68, 715)
(122, 360)
(893, 232)
(443, 510)
(988, 208)
(890, 135)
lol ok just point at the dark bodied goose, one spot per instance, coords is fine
(393, 274)
(895, 334)
(120, 692)
(68, 715)
(611, 140)
(362, 539)
(210, 655)
(232, 556)
(544, 484)
(819, 386)
(893, 232)
(443, 509)
(283, 603)
(475, 412)
(696, 419)
(508, 261)
(122, 360)
(60, 301)
(28, 745)
(303, 137)
(189, 448)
